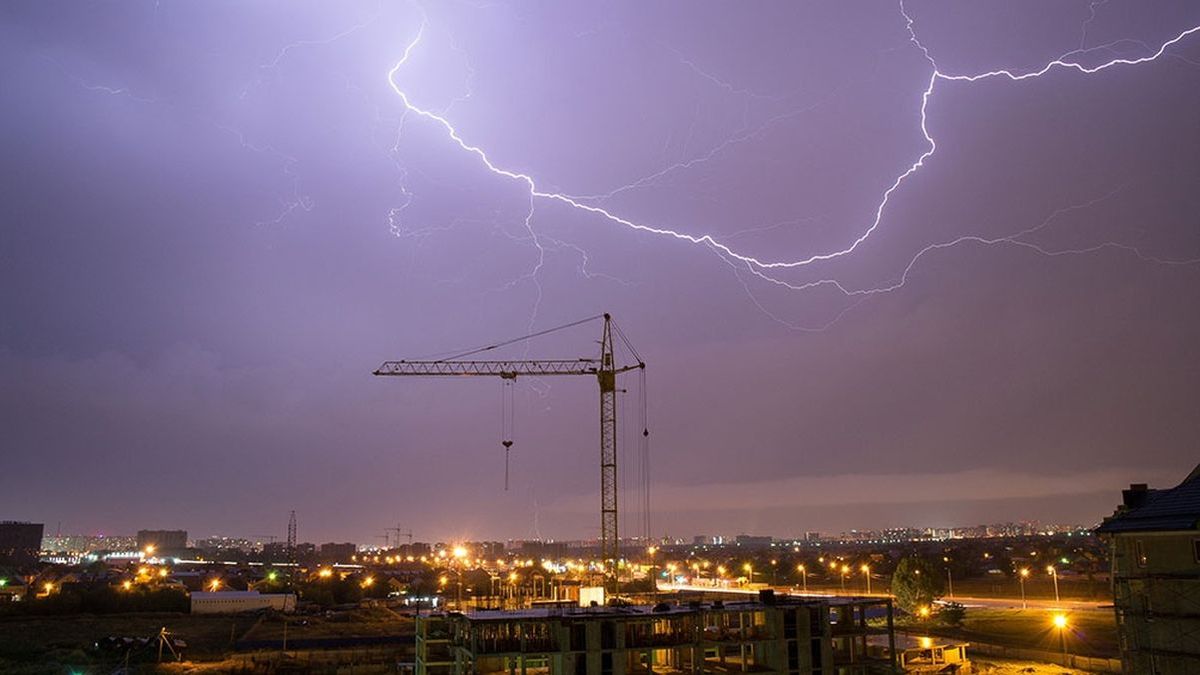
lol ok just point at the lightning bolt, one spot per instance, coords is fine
(763, 268)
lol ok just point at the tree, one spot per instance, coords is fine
(916, 583)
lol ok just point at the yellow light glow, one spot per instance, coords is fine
(162, 572)
(1050, 569)
(460, 552)
(214, 584)
(149, 549)
(865, 569)
(1024, 571)
(127, 585)
(800, 568)
(924, 611)
(1060, 621)
(325, 573)
(49, 587)
(926, 643)
(368, 581)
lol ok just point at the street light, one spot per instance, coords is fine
(1022, 575)
(845, 571)
(1060, 622)
(803, 576)
(866, 570)
(949, 578)
(214, 585)
(1054, 574)
(749, 571)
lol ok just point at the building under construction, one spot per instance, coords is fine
(785, 635)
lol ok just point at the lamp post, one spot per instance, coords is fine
(866, 570)
(1060, 622)
(845, 571)
(1054, 575)
(949, 578)
(803, 576)
(749, 569)
(1022, 575)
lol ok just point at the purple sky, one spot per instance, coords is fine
(216, 219)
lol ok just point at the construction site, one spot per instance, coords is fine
(611, 634)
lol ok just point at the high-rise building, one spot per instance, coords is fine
(1154, 541)
(338, 552)
(20, 543)
(162, 541)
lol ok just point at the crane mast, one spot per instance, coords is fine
(605, 369)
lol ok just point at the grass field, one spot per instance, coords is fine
(53, 644)
(32, 645)
(358, 623)
(1089, 633)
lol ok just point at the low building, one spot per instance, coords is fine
(931, 655)
(782, 635)
(236, 602)
(20, 543)
(1154, 541)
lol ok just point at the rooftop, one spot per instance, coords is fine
(1168, 510)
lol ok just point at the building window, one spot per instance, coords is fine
(1139, 552)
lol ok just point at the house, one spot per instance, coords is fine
(1154, 541)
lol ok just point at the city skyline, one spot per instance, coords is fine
(887, 265)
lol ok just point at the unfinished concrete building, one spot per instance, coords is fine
(827, 636)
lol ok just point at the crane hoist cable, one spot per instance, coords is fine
(507, 421)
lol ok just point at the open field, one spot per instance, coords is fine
(371, 622)
(1087, 633)
(32, 645)
(49, 644)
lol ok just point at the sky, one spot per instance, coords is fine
(927, 264)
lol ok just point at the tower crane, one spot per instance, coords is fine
(605, 369)
(400, 532)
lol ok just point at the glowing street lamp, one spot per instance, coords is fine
(214, 585)
(1022, 575)
(1060, 622)
(1054, 574)
(803, 576)
(866, 570)
(845, 571)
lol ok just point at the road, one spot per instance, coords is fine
(965, 601)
